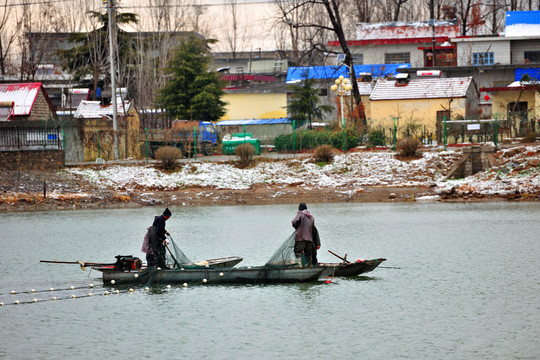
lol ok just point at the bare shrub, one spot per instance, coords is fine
(245, 153)
(529, 137)
(168, 156)
(324, 153)
(408, 147)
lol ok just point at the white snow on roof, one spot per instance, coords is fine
(94, 110)
(365, 88)
(424, 88)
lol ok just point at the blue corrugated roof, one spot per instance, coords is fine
(253, 122)
(295, 74)
(534, 73)
(522, 17)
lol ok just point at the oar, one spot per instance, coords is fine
(336, 255)
(82, 264)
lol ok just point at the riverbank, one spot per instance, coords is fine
(374, 176)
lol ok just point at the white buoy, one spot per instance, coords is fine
(168, 286)
(159, 268)
(181, 268)
(90, 294)
(116, 292)
(72, 287)
(220, 274)
(91, 285)
(204, 281)
(106, 292)
(51, 289)
(34, 300)
(1, 304)
(16, 302)
(54, 297)
(207, 266)
(73, 296)
(146, 289)
(136, 276)
(130, 290)
(33, 290)
(113, 282)
(184, 284)
(13, 292)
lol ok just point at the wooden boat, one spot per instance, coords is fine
(244, 275)
(353, 268)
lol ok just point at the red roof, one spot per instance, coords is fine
(421, 40)
(23, 95)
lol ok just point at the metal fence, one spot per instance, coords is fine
(31, 138)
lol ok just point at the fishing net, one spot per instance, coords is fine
(175, 257)
(284, 256)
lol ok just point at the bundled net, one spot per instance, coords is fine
(284, 256)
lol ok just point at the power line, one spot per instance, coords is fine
(34, 3)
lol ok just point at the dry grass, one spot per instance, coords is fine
(408, 147)
(324, 154)
(168, 156)
(245, 153)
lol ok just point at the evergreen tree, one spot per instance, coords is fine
(91, 55)
(304, 105)
(193, 91)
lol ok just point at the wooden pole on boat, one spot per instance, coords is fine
(82, 264)
(342, 258)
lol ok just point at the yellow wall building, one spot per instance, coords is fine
(98, 135)
(255, 105)
(523, 101)
(419, 105)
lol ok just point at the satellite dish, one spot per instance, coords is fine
(341, 57)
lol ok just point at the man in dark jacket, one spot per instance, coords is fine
(303, 223)
(157, 234)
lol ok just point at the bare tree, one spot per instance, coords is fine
(8, 35)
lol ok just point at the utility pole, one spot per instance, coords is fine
(111, 15)
(432, 20)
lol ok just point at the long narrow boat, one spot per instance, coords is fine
(244, 275)
(353, 268)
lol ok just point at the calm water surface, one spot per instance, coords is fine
(461, 282)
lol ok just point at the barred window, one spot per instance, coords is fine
(397, 58)
(483, 58)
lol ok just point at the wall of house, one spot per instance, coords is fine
(31, 159)
(41, 109)
(501, 99)
(421, 113)
(500, 49)
(519, 48)
(374, 54)
(255, 106)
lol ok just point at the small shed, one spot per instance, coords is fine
(29, 102)
(96, 122)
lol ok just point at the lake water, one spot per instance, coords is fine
(461, 282)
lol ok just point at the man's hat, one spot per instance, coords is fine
(167, 212)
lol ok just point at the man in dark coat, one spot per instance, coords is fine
(303, 223)
(157, 234)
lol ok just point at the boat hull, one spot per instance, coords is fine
(355, 268)
(246, 275)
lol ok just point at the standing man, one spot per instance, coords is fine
(157, 234)
(303, 223)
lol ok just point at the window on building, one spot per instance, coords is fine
(397, 58)
(323, 92)
(532, 56)
(483, 58)
(358, 59)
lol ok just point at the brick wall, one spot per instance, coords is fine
(31, 160)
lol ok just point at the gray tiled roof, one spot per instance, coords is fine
(94, 110)
(422, 88)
